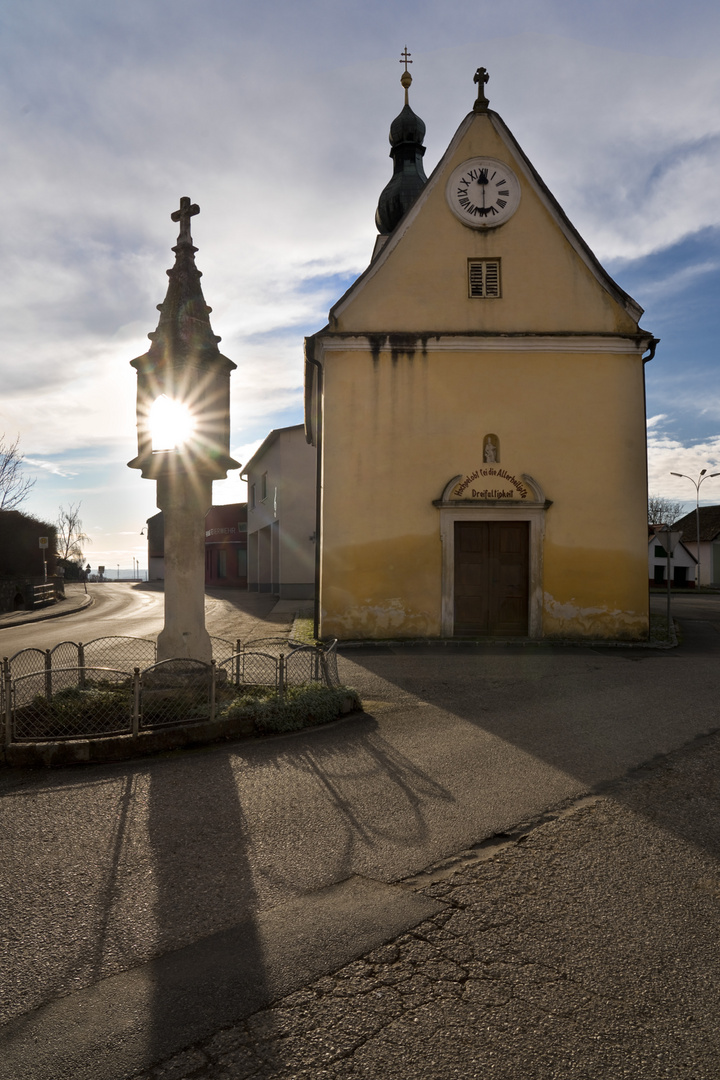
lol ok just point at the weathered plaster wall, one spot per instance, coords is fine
(572, 421)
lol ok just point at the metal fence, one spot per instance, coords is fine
(124, 653)
(53, 705)
(176, 692)
(294, 663)
(115, 652)
(44, 696)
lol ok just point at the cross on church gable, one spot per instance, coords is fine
(481, 77)
(183, 215)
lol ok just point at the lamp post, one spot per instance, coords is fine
(183, 428)
(704, 475)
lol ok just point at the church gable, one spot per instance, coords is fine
(531, 273)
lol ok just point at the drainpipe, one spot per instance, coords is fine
(313, 434)
(651, 347)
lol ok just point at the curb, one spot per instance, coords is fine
(520, 643)
(43, 616)
(109, 749)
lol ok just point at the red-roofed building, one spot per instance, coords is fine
(225, 546)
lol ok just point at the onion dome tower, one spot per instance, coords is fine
(407, 132)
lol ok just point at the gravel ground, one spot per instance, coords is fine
(586, 946)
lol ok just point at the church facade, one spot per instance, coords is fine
(477, 401)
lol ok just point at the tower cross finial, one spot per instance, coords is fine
(481, 77)
(183, 215)
(406, 77)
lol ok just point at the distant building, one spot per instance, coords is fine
(709, 541)
(281, 515)
(682, 563)
(225, 546)
(156, 547)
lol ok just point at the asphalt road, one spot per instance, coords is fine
(117, 609)
(687, 605)
(107, 870)
(127, 609)
(586, 947)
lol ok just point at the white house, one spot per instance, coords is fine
(682, 562)
(281, 477)
(709, 541)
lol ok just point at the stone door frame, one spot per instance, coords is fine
(465, 510)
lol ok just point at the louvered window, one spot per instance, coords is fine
(484, 278)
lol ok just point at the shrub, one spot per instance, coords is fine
(300, 707)
(103, 706)
(98, 707)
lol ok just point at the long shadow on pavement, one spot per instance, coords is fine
(204, 887)
(524, 728)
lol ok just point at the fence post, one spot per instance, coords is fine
(7, 686)
(136, 703)
(212, 689)
(238, 648)
(48, 674)
(81, 664)
(281, 677)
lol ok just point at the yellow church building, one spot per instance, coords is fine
(477, 401)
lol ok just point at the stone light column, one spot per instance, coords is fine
(184, 376)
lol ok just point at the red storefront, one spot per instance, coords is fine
(226, 545)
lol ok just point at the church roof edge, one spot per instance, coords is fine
(531, 174)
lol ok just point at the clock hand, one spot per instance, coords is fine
(482, 181)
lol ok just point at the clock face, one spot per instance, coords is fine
(483, 192)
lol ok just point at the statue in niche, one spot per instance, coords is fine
(490, 450)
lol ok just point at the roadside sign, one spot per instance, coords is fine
(43, 541)
(670, 539)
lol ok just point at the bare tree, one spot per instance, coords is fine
(70, 535)
(663, 511)
(14, 487)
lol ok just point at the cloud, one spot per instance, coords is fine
(667, 454)
(275, 121)
(49, 466)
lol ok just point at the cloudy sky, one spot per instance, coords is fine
(274, 119)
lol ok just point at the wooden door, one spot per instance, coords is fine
(491, 578)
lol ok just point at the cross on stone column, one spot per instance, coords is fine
(183, 215)
(481, 77)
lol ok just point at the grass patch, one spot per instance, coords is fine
(659, 631)
(302, 631)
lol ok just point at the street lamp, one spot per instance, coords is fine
(704, 475)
